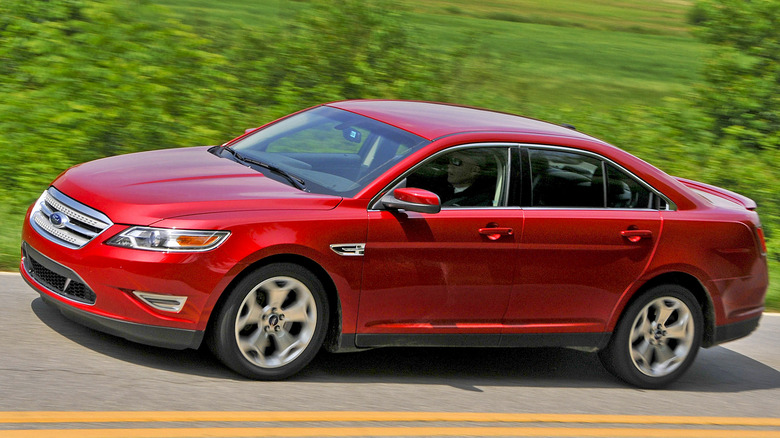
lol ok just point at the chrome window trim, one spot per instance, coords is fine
(373, 204)
(670, 206)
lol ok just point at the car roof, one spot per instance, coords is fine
(433, 120)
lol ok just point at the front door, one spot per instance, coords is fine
(430, 278)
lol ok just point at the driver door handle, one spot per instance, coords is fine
(494, 233)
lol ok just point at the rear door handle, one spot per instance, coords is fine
(635, 236)
(495, 233)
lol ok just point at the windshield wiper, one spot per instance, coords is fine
(297, 182)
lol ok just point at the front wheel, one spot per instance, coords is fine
(272, 324)
(657, 338)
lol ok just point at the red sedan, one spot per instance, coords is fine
(364, 224)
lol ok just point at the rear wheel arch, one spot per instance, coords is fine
(657, 338)
(694, 286)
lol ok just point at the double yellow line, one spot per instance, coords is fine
(455, 424)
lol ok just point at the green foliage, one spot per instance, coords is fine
(86, 79)
(344, 50)
(742, 77)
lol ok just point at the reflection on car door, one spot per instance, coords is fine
(440, 274)
(574, 266)
(577, 255)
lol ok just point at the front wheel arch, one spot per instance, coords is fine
(334, 303)
(250, 333)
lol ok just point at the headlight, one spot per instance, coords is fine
(167, 239)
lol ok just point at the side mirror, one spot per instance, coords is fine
(412, 199)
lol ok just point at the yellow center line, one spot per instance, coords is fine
(37, 417)
(387, 431)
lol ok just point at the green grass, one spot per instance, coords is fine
(773, 295)
(10, 239)
(656, 17)
(602, 53)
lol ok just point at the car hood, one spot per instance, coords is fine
(145, 187)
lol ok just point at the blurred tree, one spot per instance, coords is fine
(742, 77)
(346, 50)
(83, 79)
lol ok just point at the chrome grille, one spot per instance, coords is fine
(66, 221)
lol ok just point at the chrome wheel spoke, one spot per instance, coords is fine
(298, 312)
(254, 343)
(269, 335)
(642, 353)
(657, 349)
(680, 330)
(665, 310)
(277, 292)
(250, 312)
(642, 326)
(664, 356)
(285, 342)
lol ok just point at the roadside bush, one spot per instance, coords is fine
(86, 79)
(741, 90)
(350, 49)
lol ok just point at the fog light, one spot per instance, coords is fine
(166, 303)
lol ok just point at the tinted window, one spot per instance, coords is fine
(565, 179)
(624, 191)
(473, 177)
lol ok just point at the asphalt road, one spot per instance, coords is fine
(48, 363)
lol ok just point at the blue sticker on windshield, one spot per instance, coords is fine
(352, 135)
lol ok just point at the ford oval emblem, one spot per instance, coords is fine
(58, 219)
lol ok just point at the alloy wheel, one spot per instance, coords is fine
(662, 336)
(275, 322)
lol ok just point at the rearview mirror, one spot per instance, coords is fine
(412, 199)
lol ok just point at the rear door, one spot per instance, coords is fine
(590, 231)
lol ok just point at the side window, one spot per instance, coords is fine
(624, 191)
(473, 177)
(566, 179)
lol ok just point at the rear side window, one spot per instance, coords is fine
(624, 191)
(561, 179)
(565, 179)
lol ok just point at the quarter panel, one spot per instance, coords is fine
(719, 249)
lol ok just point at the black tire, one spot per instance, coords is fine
(272, 324)
(656, 339)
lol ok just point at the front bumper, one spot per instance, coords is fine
(167, 337)
(94, 285)
(49, 277)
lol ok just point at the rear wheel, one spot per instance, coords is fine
(272, 324)
(657, 338)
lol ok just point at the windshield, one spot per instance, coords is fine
(329, 150)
